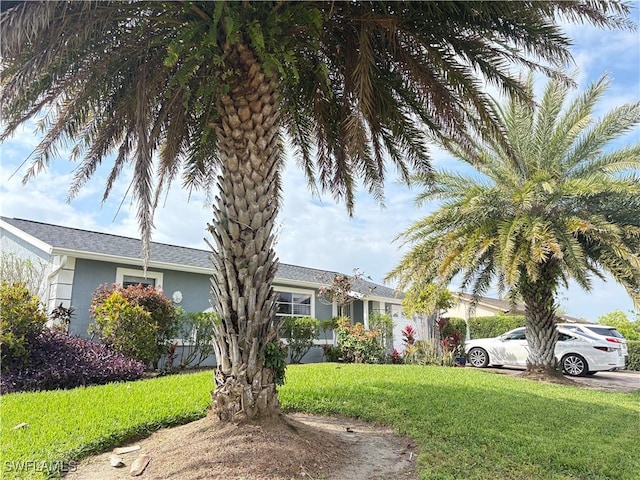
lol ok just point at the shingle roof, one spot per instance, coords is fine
(66, 238)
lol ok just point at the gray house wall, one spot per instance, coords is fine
(87, 277)
(90, 274)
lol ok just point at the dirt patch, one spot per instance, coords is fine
(294, 446)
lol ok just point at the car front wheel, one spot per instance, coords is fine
(478, 357)
(574, 365)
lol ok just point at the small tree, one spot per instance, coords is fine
(341, 290)
(425, 300)
(30, 272)
(299, 333)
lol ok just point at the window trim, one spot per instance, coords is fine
(284, 289)
(157, 276)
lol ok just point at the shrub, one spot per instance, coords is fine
(61, 317)
(634, 355)
(487, 327)
(332, 353)
(382, 323)
(422, 352)
(60, 361)
(395, 357)
(125, 327)
(195, 336)
(275, 358)
(456, 324)
(137, 321)
(21, 320)
(299, 333)
(359, 345)
(408, 336)
(452, 332)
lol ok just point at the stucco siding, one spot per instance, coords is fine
(461, 310)
(88, 276)
(195, 289)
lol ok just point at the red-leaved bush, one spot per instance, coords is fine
(59, 361)
(137, 320)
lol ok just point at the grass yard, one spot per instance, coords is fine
(467, 423)
(472, 424)
(66, 425)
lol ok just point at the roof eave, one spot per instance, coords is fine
(36, 242)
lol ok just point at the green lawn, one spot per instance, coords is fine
(468, 424)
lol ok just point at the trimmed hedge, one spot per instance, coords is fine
(456, 324)
(634, 355)
(487, 327)
(59, 361)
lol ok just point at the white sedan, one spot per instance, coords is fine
(578, 354)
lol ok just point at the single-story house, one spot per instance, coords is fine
(465, 307)
(78, 261)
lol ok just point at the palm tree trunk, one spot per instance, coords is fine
(540, 318)
(243, 256)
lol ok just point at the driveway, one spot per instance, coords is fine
(621, 381)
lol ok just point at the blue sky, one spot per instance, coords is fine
(315, 232)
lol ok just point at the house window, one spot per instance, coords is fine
(128, 276)
(294, 303)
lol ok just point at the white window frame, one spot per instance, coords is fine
(157, 276)
(311, 293)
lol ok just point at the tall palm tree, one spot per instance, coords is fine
(208, 91)
(560, 203)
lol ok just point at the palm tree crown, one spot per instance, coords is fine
(560, 203)
(356, 80)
